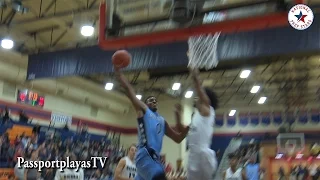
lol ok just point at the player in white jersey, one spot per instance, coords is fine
(233, 172)
(126, 168)
(202, 162)
(70, 174)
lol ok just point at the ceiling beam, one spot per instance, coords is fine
(55, 16)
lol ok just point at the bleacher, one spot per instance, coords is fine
(15, 129)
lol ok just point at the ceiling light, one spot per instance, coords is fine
(139, 96)
(109, 86)
(299, 156)
(17, 6)
(232, 112)
(245, 74)
(279, 156)
(188, 94)
(7, 44)
(87, 31)
(255, 89)
(176, 86)
(262, 100)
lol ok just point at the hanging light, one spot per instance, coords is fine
(7, 43)
(17, 6)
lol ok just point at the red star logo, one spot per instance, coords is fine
(302, 18)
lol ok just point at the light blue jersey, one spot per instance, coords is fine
(151, 129)
(252, 171)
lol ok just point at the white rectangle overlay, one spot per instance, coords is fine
(62, 164)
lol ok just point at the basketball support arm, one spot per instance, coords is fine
(278, 19)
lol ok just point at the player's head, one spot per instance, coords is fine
(132, 151)
(233, 160)
(212, 97)
(152, 103)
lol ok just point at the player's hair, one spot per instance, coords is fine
(145, 101)
(213, 98)
(233, 156)
(132, 145)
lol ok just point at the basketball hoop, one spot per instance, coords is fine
(203, 51)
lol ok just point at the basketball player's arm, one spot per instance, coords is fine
(243, 174)
(175, 136)
(181, 128)
(130, 91)
(224, 175)
(204, 99)
(119, 169)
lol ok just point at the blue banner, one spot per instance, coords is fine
(236, 47)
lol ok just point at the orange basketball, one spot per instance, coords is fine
(121, 59)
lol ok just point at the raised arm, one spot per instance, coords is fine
(204, 99)
(183, 130)
(130, 91)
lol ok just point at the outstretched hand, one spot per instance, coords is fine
(178, 109)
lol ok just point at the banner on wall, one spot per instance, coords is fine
(58, 118)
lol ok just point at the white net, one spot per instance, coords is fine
(203, 51)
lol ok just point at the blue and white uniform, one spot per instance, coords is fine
(151, 129)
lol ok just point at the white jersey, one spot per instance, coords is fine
(201, 130)
(233, 175)
(202, 161)
(129, 170)
(69, 174)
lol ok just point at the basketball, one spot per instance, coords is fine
(121, 59)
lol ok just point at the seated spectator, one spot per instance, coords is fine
(23, 117)
(5, 115)
(19, 172)
(66, 127)
(36, 129)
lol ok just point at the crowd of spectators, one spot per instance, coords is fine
(54, 146)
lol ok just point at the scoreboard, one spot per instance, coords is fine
(30, 97)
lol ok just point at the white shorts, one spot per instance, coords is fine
(202, 164)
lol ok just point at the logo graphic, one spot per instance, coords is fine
(300, 17)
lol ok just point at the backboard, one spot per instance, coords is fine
(149, 22)
(290, 143)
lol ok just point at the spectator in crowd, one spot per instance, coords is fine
(281, 174)
(252, 169)
(233, 172)
(19, 171)
(23, 117)
(32, 174)
(66, 127)
(5, 115)
(76, 175)
(36, 129)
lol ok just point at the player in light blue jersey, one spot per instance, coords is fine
(151, 129)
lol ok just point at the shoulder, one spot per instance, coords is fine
(123, 161)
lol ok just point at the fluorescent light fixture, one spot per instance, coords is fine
(176, 86)
(232, 112)
(7, 44)
(109, 86)
(279, 156)
(139, 96)
(255, 89)
(87, 31)
(262, 100)
(245, 74)
(299, 156)
(188, 94)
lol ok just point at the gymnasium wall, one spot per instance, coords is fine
(98, 121)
